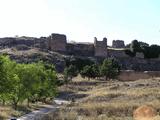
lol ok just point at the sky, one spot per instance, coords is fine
(82, 20)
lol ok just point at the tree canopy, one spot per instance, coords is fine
(19, 82)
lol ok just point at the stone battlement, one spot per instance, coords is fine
(58, 42)
(118, 44)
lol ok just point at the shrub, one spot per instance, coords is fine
(130, 53)
(90, 71)
(110, 69)
(69, 73)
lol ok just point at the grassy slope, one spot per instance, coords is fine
(112, 100)
(7, 111)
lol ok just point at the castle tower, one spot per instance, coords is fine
(57, 42)
(100, 47)
(118, 44)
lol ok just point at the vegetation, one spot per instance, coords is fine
(130, 53)
(152, 51)
(69, 73)
(90, 71)
(113, 100)
(135, 46)
(79, 63)
(20, 82)
(110, 68)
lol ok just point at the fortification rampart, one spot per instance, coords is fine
(80, 49)
(98, 49)
(117, 53)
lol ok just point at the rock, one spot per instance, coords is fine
(144, 112)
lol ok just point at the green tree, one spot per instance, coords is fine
(9, 83)
(69, 73)
(19, 82)
(7, 77)
(152, 51)
(38, 82)
(110, 68)
(90, 71)
(79, 63)
(86, 72)
(130, 53)
(48, 82)
(135, 46)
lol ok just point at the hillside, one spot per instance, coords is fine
(107, 100)
(24, 54)
(55, 50)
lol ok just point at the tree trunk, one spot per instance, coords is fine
(28, 100)
(15, 104)
(106, 77)
(3, 102)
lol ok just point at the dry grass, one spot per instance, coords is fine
(7, 111)
(112, 100)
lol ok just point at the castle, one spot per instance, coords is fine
(58, 43)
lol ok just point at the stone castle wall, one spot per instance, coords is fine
(80, 49)
(130, 75)
(57, 42)
(100, 47)
(118, 44)
(117, 53)
(139, 64)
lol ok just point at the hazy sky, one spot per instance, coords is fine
(82, 20)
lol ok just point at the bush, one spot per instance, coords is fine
(151, 52)
(110, 69)
(79, 63)
(69, 73)
(90, 71)
(130, 53)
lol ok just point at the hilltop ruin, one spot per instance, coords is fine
(56, 49)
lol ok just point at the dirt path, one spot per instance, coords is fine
(48, 109)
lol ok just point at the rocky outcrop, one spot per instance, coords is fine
(9, 42)
(35, 55)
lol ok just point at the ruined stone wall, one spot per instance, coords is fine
(100, 48)
(130, 75)
(80, 49)
(139, 64)
(118, 44)
(117, 53)
(57, 42)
